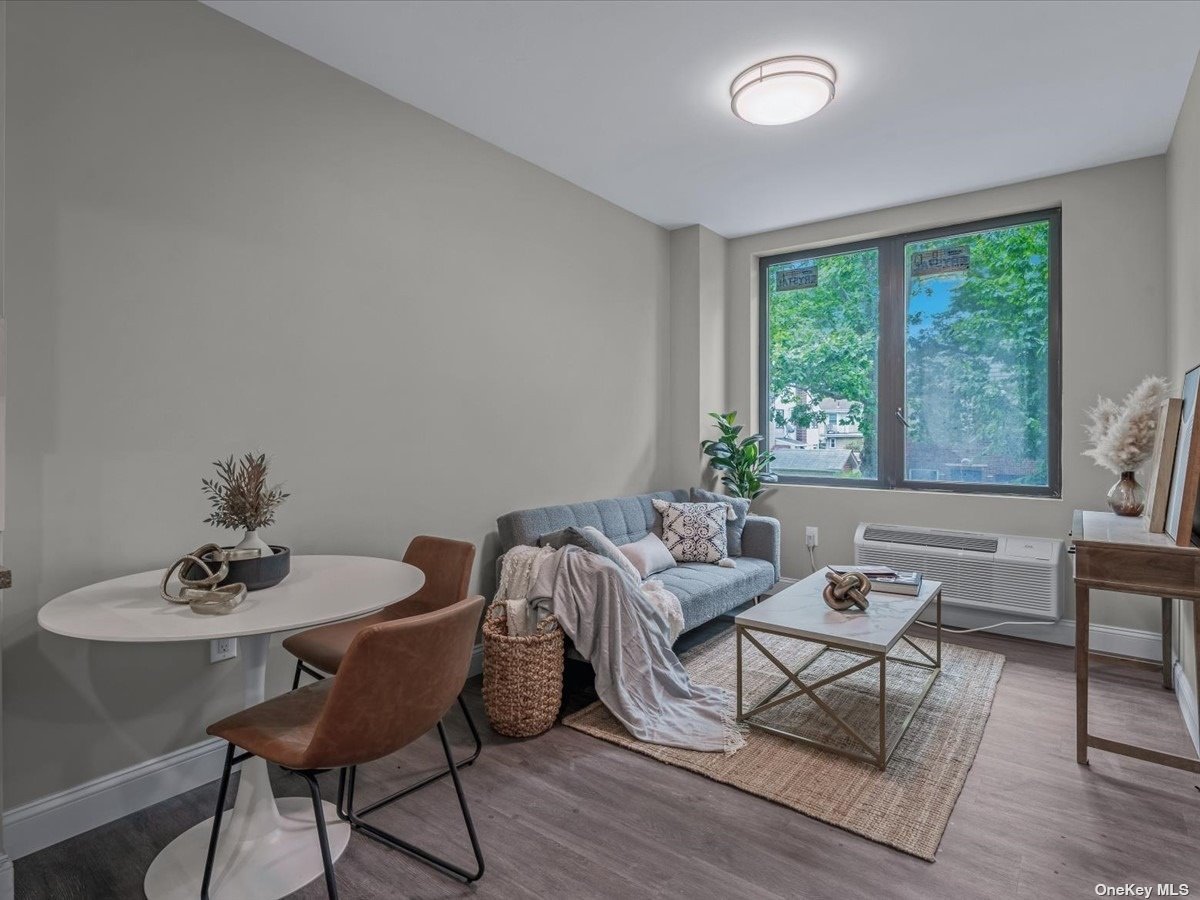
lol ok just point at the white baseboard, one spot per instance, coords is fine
(1187, 704)
(48, 820)
(1103, 639)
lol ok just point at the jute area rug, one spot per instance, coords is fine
(906, 807)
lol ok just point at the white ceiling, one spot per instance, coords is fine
(630, 100)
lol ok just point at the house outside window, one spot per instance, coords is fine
(928, 360)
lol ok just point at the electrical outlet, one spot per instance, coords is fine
(810, 536)
(222, 648)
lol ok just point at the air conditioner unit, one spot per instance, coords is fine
(1000, 572)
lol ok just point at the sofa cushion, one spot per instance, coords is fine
(706, 591)
(733, 527)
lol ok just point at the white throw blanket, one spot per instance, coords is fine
(518, 569)
(667, 605)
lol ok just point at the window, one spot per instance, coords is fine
(926, 360)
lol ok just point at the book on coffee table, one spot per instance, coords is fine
(886, 579)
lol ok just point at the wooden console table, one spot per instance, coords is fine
(1116, 553)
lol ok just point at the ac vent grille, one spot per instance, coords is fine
(1018, 588)
(945, 540)
(1007, 574)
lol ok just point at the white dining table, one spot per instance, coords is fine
(268, 847)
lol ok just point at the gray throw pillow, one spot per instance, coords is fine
(733, 527)
(593, 540)
(649, 555)
(562, 537)
(606, 548)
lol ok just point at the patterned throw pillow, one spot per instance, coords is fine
(737, 523)
(695, 532)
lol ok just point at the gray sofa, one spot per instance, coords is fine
(704, 591)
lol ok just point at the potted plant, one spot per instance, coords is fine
(241, 499)
(743, 466)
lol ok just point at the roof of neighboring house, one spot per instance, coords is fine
(831, 405)
(814, 460)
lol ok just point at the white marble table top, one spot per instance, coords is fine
(800, 611)
(319, 589)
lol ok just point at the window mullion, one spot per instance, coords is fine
(891, 361)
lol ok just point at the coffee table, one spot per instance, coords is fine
(800, 612)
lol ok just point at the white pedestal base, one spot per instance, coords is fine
(266, 867)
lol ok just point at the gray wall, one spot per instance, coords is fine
(1183, 279)
(216, 243)
(697, 374)
(1114, 333)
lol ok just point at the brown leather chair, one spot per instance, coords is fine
(360, 716)
(447, 567)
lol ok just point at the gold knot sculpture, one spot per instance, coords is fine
(206, 595)
(847, 590)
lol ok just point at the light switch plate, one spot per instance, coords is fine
(222, 648)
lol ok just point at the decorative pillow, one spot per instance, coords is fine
(649, 555)
(735, 526)
(606, 548)
(695, 532)
(562, 537)
(593, 540)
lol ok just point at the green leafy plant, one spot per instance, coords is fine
(239, 494)
(742, 464)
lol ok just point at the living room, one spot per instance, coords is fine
(456, 295)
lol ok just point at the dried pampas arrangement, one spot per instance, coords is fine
(1122, 436)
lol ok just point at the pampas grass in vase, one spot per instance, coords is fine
(1122, 438)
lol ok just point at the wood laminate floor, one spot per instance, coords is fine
(567, 816)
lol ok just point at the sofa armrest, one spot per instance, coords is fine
(760, 539)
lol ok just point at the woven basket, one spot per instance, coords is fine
(522, 676)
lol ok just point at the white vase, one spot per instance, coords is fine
(253, 542)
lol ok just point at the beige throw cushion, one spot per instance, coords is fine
(649, 555)
(695, 532)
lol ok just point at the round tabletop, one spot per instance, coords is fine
(320, 589)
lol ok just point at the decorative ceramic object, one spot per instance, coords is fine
(847, 590)
(253, 542)
(201, 586)
(1126, 498)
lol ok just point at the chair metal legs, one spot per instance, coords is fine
(302, 668)
(314, 791)
(216, 829)
(346, 810)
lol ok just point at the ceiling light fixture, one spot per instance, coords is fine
(783, 90)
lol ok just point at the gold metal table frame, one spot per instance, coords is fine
(877, 753)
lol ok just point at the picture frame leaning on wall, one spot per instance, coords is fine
(1183, 518)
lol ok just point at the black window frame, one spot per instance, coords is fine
(890, 368)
